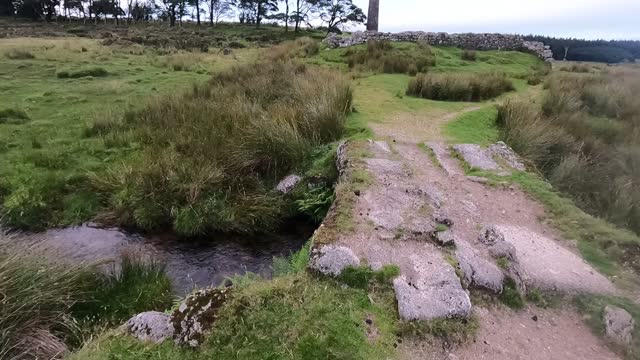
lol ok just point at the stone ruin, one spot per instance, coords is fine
(466, 41)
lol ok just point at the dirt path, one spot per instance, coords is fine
(423, 214)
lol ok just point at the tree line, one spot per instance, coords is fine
(607, 51)
(334, 14)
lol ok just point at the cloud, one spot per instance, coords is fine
(576, 18)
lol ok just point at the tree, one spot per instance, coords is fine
(6, 8)
(303, 12)
(36, 9)
(169, 10)
(196, 5)
(374, 13)
(71, 5)
(254, 11)
(143, 11)
(219, 9)
(338, 13)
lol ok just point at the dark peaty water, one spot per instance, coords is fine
(189, 264)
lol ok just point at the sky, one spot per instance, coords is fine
(587, 19)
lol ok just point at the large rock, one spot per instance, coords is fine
(151, 326)
(476, 156)
(287, 184)
(332, 260)
(477, 271)
(618, 325)
(430, 290)
(196, 316)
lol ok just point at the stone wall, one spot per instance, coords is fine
(465, 41)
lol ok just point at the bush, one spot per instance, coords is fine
(469, 55)
(211, 157)
(94, 72)
(383, 57)
(459, 86)
(15, 54)
(577, 68)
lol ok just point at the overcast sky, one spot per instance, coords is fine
(589, 19)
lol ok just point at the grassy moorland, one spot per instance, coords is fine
(120, 131)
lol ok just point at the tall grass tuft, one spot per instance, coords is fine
(211, 157)
(47, 306)
(585, 138)
(459, 86)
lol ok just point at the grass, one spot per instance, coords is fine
(386, 57)
(80, 73)
(452, 331)
(231, 142)
(510, 295)
(48, 305)
(294, 316)
(592, 307)
(13, 116)
(583, 137)
(474, 127)
(58, 112)
(459, 87)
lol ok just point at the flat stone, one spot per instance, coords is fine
(431, 291)
(152, 326)
(618, 324)
(476, 156)
(287, 184)
(478, 272)
(332, 260)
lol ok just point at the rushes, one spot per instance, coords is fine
(211, 157)
(459, 86)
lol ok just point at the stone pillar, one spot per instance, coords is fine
(374, 11)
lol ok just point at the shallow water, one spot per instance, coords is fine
(189, 264)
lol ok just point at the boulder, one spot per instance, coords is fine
(150, 326)
(195, 317)
(618, 325)
(287, 184)
(477, 271)
(331, 260)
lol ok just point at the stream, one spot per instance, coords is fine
(207, 262)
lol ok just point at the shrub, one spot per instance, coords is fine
(469, 55)
(16, 54)
(211, 157)
(93, 71)
(459, 86)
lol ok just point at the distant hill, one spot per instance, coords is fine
(607, 51)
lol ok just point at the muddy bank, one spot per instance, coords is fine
(189, 264)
